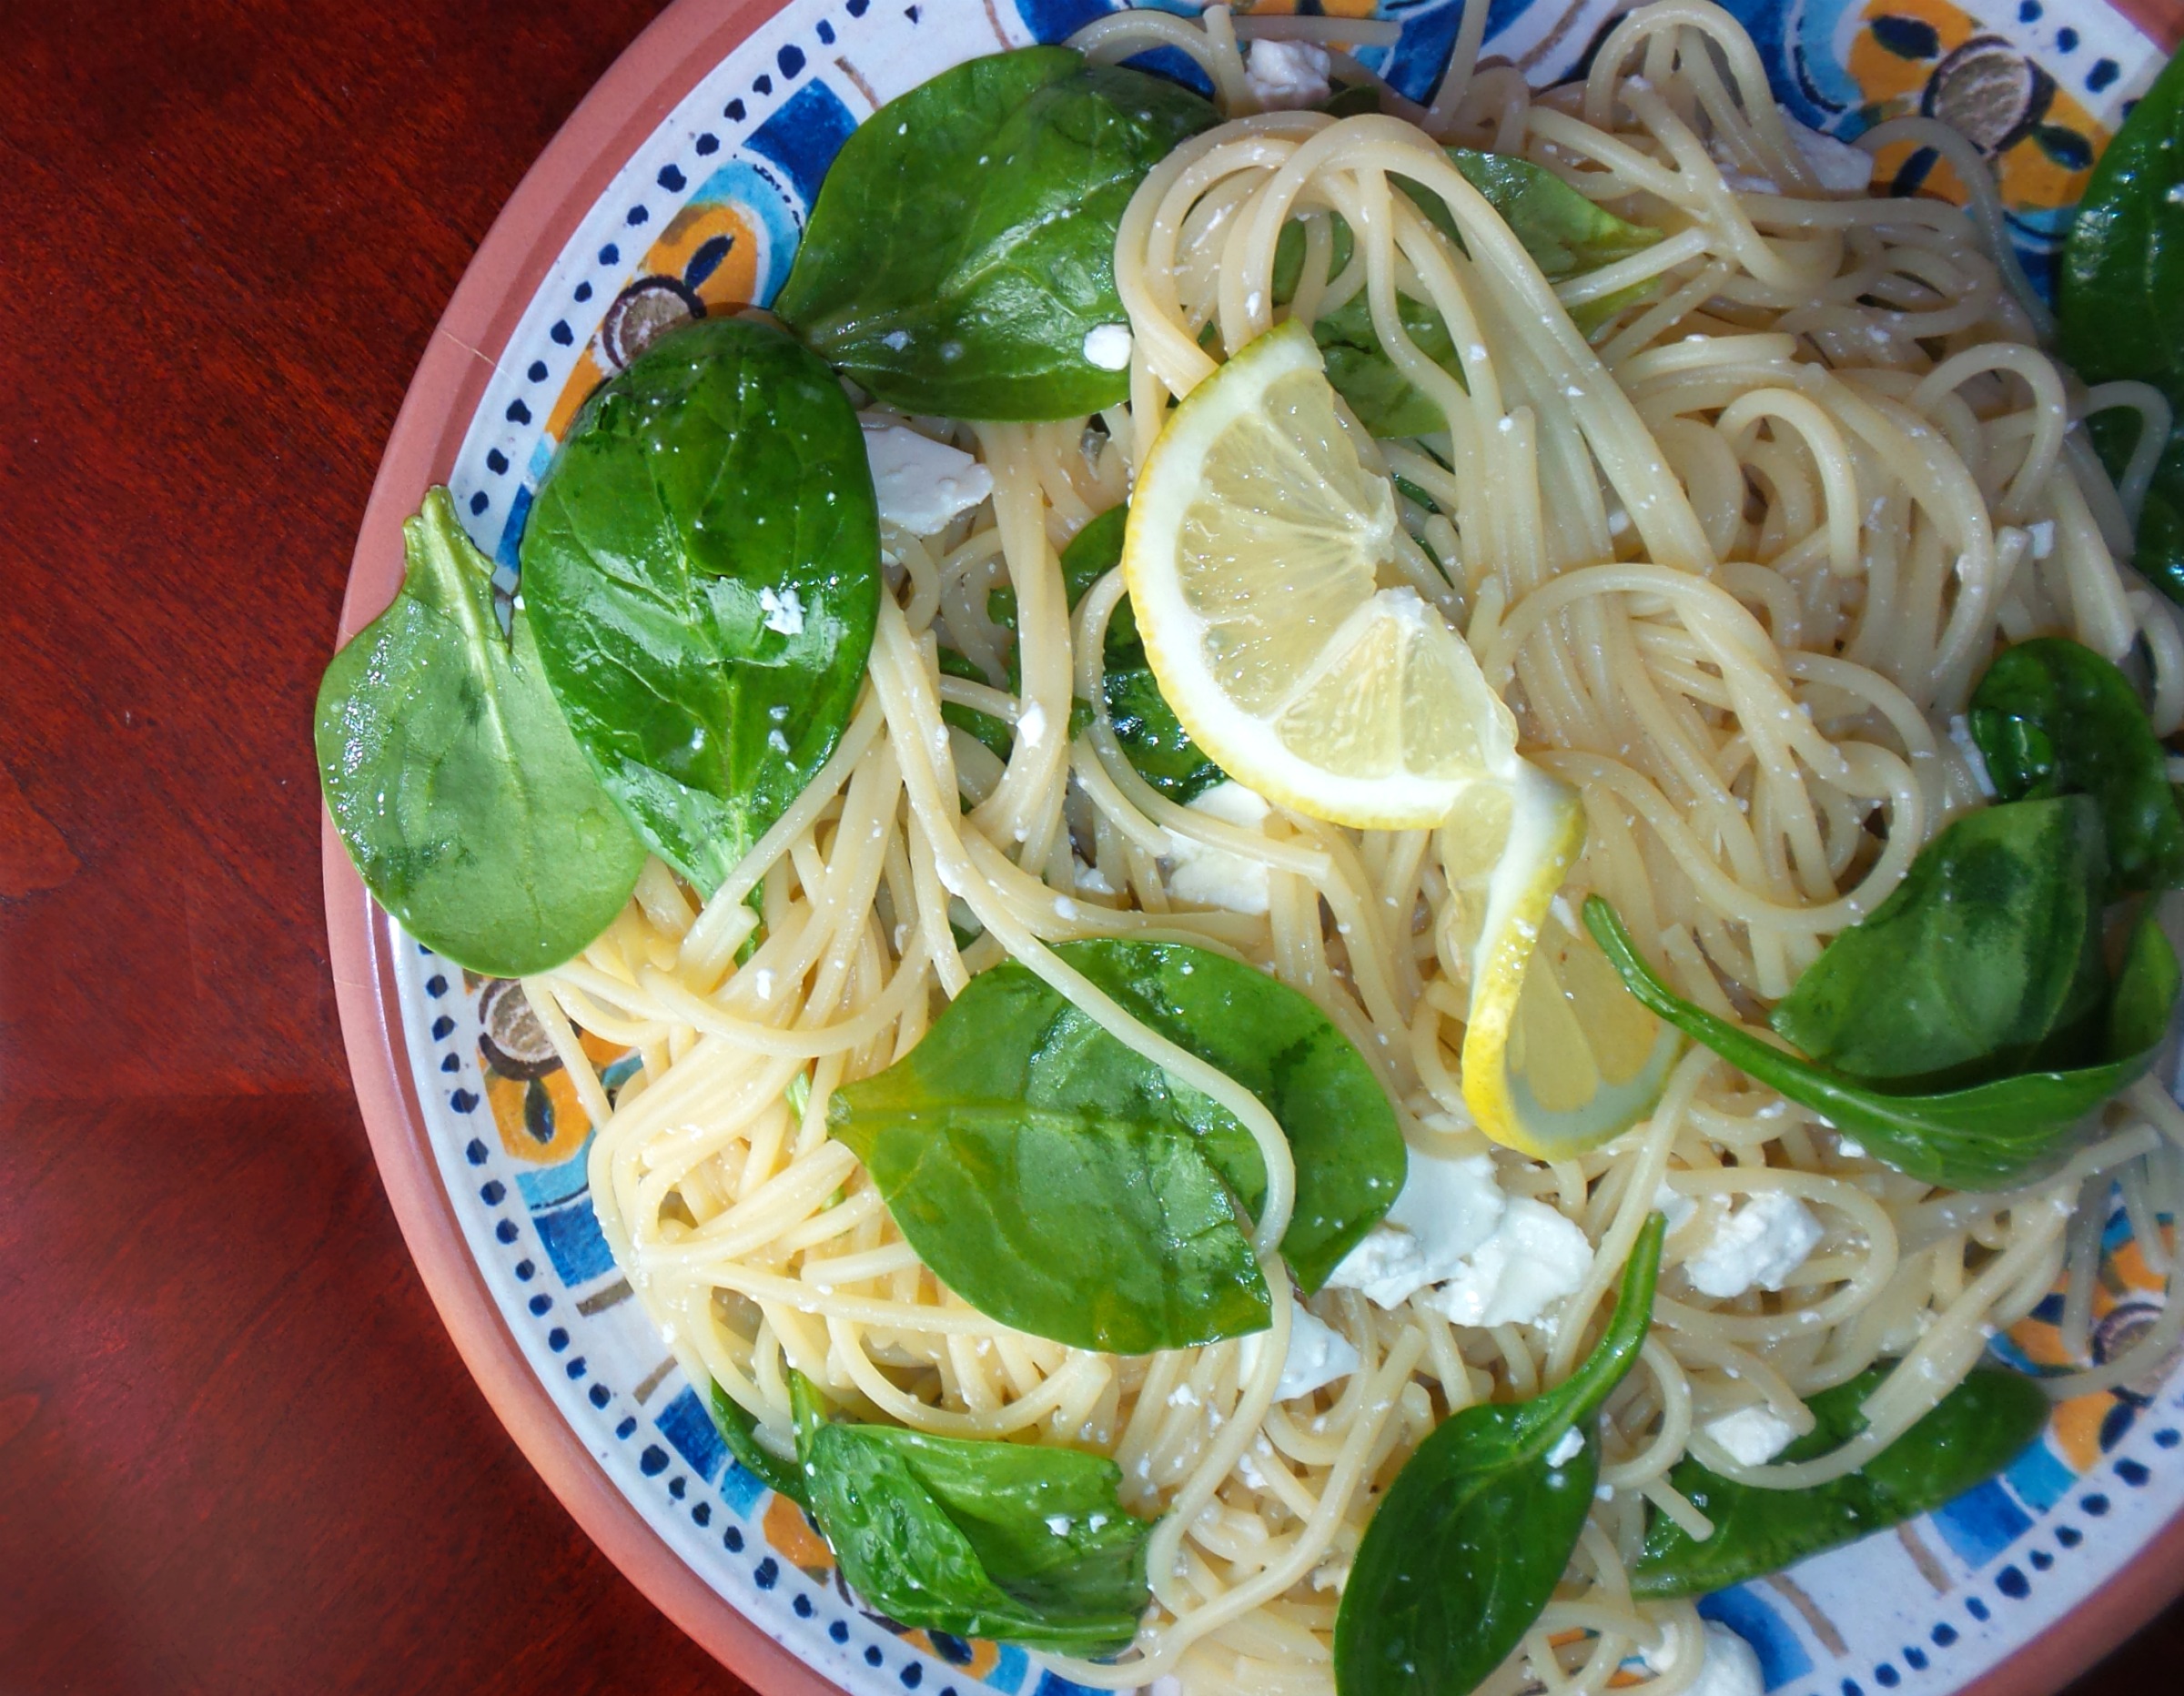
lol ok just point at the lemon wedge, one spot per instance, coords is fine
(1255, 549)
(1558, 1056)
(1259, 555)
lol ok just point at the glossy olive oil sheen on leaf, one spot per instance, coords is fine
(1971, 1434)
(1017, 1541)
(962, 244)
(1471, 1540)
(468, 809)
(1064, 1184)
(2051, 717)
(2120, 303)
(702, 563)
(1983, 1135)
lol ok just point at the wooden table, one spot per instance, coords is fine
(238, 1453)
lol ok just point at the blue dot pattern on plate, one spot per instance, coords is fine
(704, 216)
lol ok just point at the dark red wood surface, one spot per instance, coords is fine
(238, 1452)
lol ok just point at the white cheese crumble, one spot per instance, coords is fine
(1207, 877)
(1447, 1209)
(1761, 1244)
(1571, 1444)
(2043, 538)
(1841, 168)
(1534, 1259)
(920, 483)
(1287, 75)
(1108, 347)
(1752, 1436)
(1679, 1209)
(1730, 1669)
(783, 609)
(1031, 724)
(1838, 166)
(1961, 735)
(1319, 1354)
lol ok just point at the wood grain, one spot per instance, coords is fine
(238, 1452)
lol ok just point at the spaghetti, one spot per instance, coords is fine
(1735, 560)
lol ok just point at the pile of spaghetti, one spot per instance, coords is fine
(1734, 524)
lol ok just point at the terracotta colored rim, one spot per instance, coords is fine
(653, 74)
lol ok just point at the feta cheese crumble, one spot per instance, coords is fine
(784, 610)
(1447, 1209)
(1759, 1245)
(1731, 1667)
(1840, 166)
(1534, 1259)
(1207, 877)
(920, 483)
(1752, 1436)
(1287, 75)
(1319, 1354)
(1680, 1210)
(1108, 347)
(1960, 737)
(1571, 1444)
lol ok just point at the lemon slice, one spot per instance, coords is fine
(1558, 1056)
(1258, 556)
(1255, 554)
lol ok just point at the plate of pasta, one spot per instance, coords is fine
(1245, 850)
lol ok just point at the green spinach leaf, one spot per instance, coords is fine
(468, 809)
(1152, 738)
(703, 564)
(963, 246)
(1986, 1137)
(2158, 552)
(1005, 1540)
(1985, 957)
(1065, 1185)
(1566, 235)
(2121, 291)
(2053, 718)
(2120, 301)
(984, 727)
(1471, 1540)
(1972, 1433)
(739, 1430)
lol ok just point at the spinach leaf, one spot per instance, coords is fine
(702, 563)
(467, 806)
(1352, 100)
(2054, 718)
(1152, 738)
(1972, 1433)
(1471, 1540)
(1063, 1184)
(2158, 552)
(1982, 1137)
(994, 733)
(1986, 954)
(739, 1430)
(2121, 291)
(962, 244)
(1005, 1540)
(1565, 234)
(2120, 301)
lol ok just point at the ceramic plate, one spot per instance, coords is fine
(679, 189)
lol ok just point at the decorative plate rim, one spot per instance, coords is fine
(643, 86)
